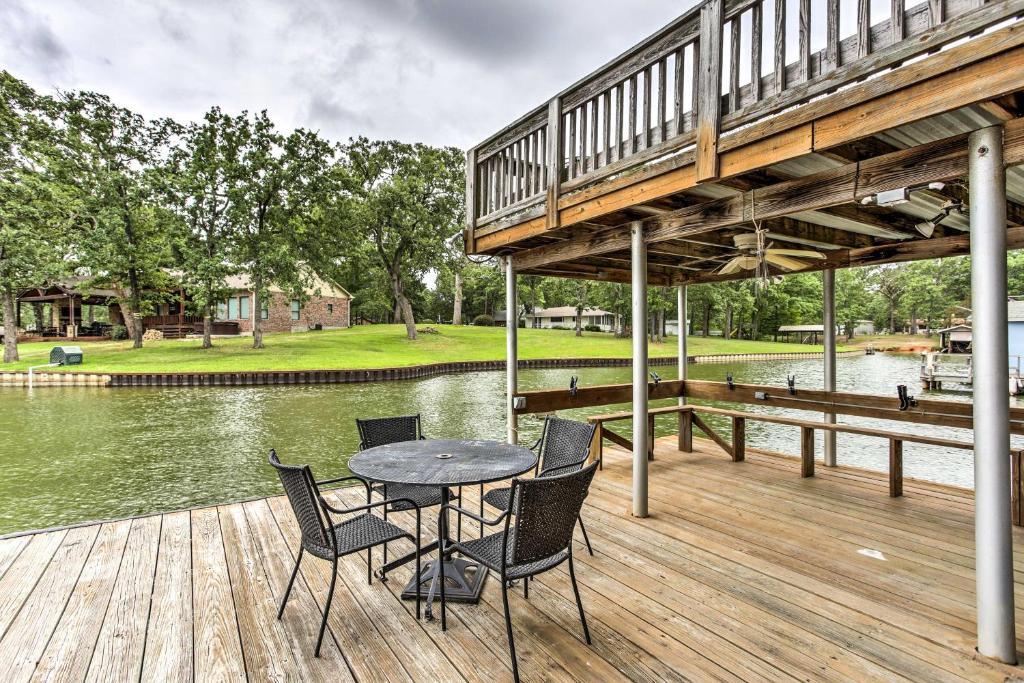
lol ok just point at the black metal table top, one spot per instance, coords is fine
(442, 462)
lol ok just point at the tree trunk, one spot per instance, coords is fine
(727, 332)
(132, 322)
(403, 305)
(707, 321)
(396, 317)
(892, 319)
(10, 327)
(913, 321)
(457, 313)
(37, 312)
(257, 320)
(579, 323)
(208, 324)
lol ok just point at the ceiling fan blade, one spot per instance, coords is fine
(785, 262)
(801, 253)
(732, 266)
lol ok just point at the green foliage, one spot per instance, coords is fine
(483, 321)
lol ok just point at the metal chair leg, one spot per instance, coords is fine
(441, 532)
(526, 587)
(327, 606)
(288, 590)
(508, 629)
(369, 566)
(481, 509)
(579, 518)
(579, 603)
(383, 576)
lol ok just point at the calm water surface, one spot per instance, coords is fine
(77, 453)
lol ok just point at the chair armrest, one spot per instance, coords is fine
(362, 481)
(472, 515)
(368, 506)
(553, 470)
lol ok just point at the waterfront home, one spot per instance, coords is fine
(565, 316)
(323, 305)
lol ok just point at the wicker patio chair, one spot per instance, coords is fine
(564, 447)
(327, 540)
(545, 510)
(380, 431)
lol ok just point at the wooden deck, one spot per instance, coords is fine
(743, 571)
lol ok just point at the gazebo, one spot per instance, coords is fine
(696, 153)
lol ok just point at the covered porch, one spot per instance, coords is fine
(743, 570)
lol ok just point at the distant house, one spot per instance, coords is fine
(863, 327)
(956, 339)
(565, 316)
(672, 326)
(805, 334)
(324, 306)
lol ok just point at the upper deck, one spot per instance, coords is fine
(766, 111)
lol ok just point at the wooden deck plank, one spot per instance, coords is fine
(272, 648)
(24, 572)
(10, 549)
(119, 648)
(29, 633)
(217, 650)
(168, 654)
(70, 649)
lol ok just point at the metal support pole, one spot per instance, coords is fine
(681, 314)
(829, 319)
(993, 542)
(511, 348)
(638, 258)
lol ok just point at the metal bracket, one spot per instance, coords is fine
(728, 380)
(656, 377)
(791, 383)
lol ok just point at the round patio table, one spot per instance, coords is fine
(444, 463)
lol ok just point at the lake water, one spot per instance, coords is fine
(77, 453)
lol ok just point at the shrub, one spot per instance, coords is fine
(591, 328)
(483, 321)
(559, 327)
(118, 332)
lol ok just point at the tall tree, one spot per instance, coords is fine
(891, 284)
(36, 206)
(126, 243)
(407, 199)
(279, 191)
(198, 187)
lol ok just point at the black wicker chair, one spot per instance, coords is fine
(329, 541)
(564, 447)
(545, 510)
(380, 431)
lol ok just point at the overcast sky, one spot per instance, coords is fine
(445, 72)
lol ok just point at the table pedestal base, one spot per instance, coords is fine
(464, 581)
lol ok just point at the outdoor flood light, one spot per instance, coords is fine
(893, 197)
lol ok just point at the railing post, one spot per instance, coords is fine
(553, 154)
(709, 92)
(686, 431)
(895, 468)
(469, 238)
(829, 333)
(511, 348)
(685, 443)
(806, 451)
(739, 439)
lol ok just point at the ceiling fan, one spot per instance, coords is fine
(755, 255)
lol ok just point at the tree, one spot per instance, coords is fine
(853, 297)
(281, 191)
(580, 289)
(406, 199)
(36, 206)
(126, 238)
(198, 188)
(891, 285)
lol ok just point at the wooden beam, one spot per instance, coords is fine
(554, 156)
(709, 97)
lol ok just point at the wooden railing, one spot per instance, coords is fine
(720, 66)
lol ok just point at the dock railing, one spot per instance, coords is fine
(719, 67)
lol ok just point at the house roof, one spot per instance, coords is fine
(316, 286)
(802, 328)
(565, 312)
(956, 328)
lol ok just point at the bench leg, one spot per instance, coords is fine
(895, 468)
(806, 451)
(739, 439)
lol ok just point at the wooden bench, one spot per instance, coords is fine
(736, 447)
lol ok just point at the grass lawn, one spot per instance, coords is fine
(370, 346)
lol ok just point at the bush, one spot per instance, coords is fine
(591, 328)
(559, 327)
(118, 332)
(483, 321)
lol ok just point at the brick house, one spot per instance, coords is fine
(325, 304)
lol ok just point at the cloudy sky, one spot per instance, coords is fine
(446, 72)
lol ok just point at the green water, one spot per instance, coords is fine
(77, 453)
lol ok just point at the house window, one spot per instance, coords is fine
(222, 311)
(243, 308)
(232, 308)
(330, 309)
(264, 311)
(556, 319)
(296, 309)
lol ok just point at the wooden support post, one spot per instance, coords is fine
(709, 96)
(806, 451)
(686, 431)
(597, 446)
(471, 208)
(739, 439)
(895, 468)
(650, 436)
(554, 160)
